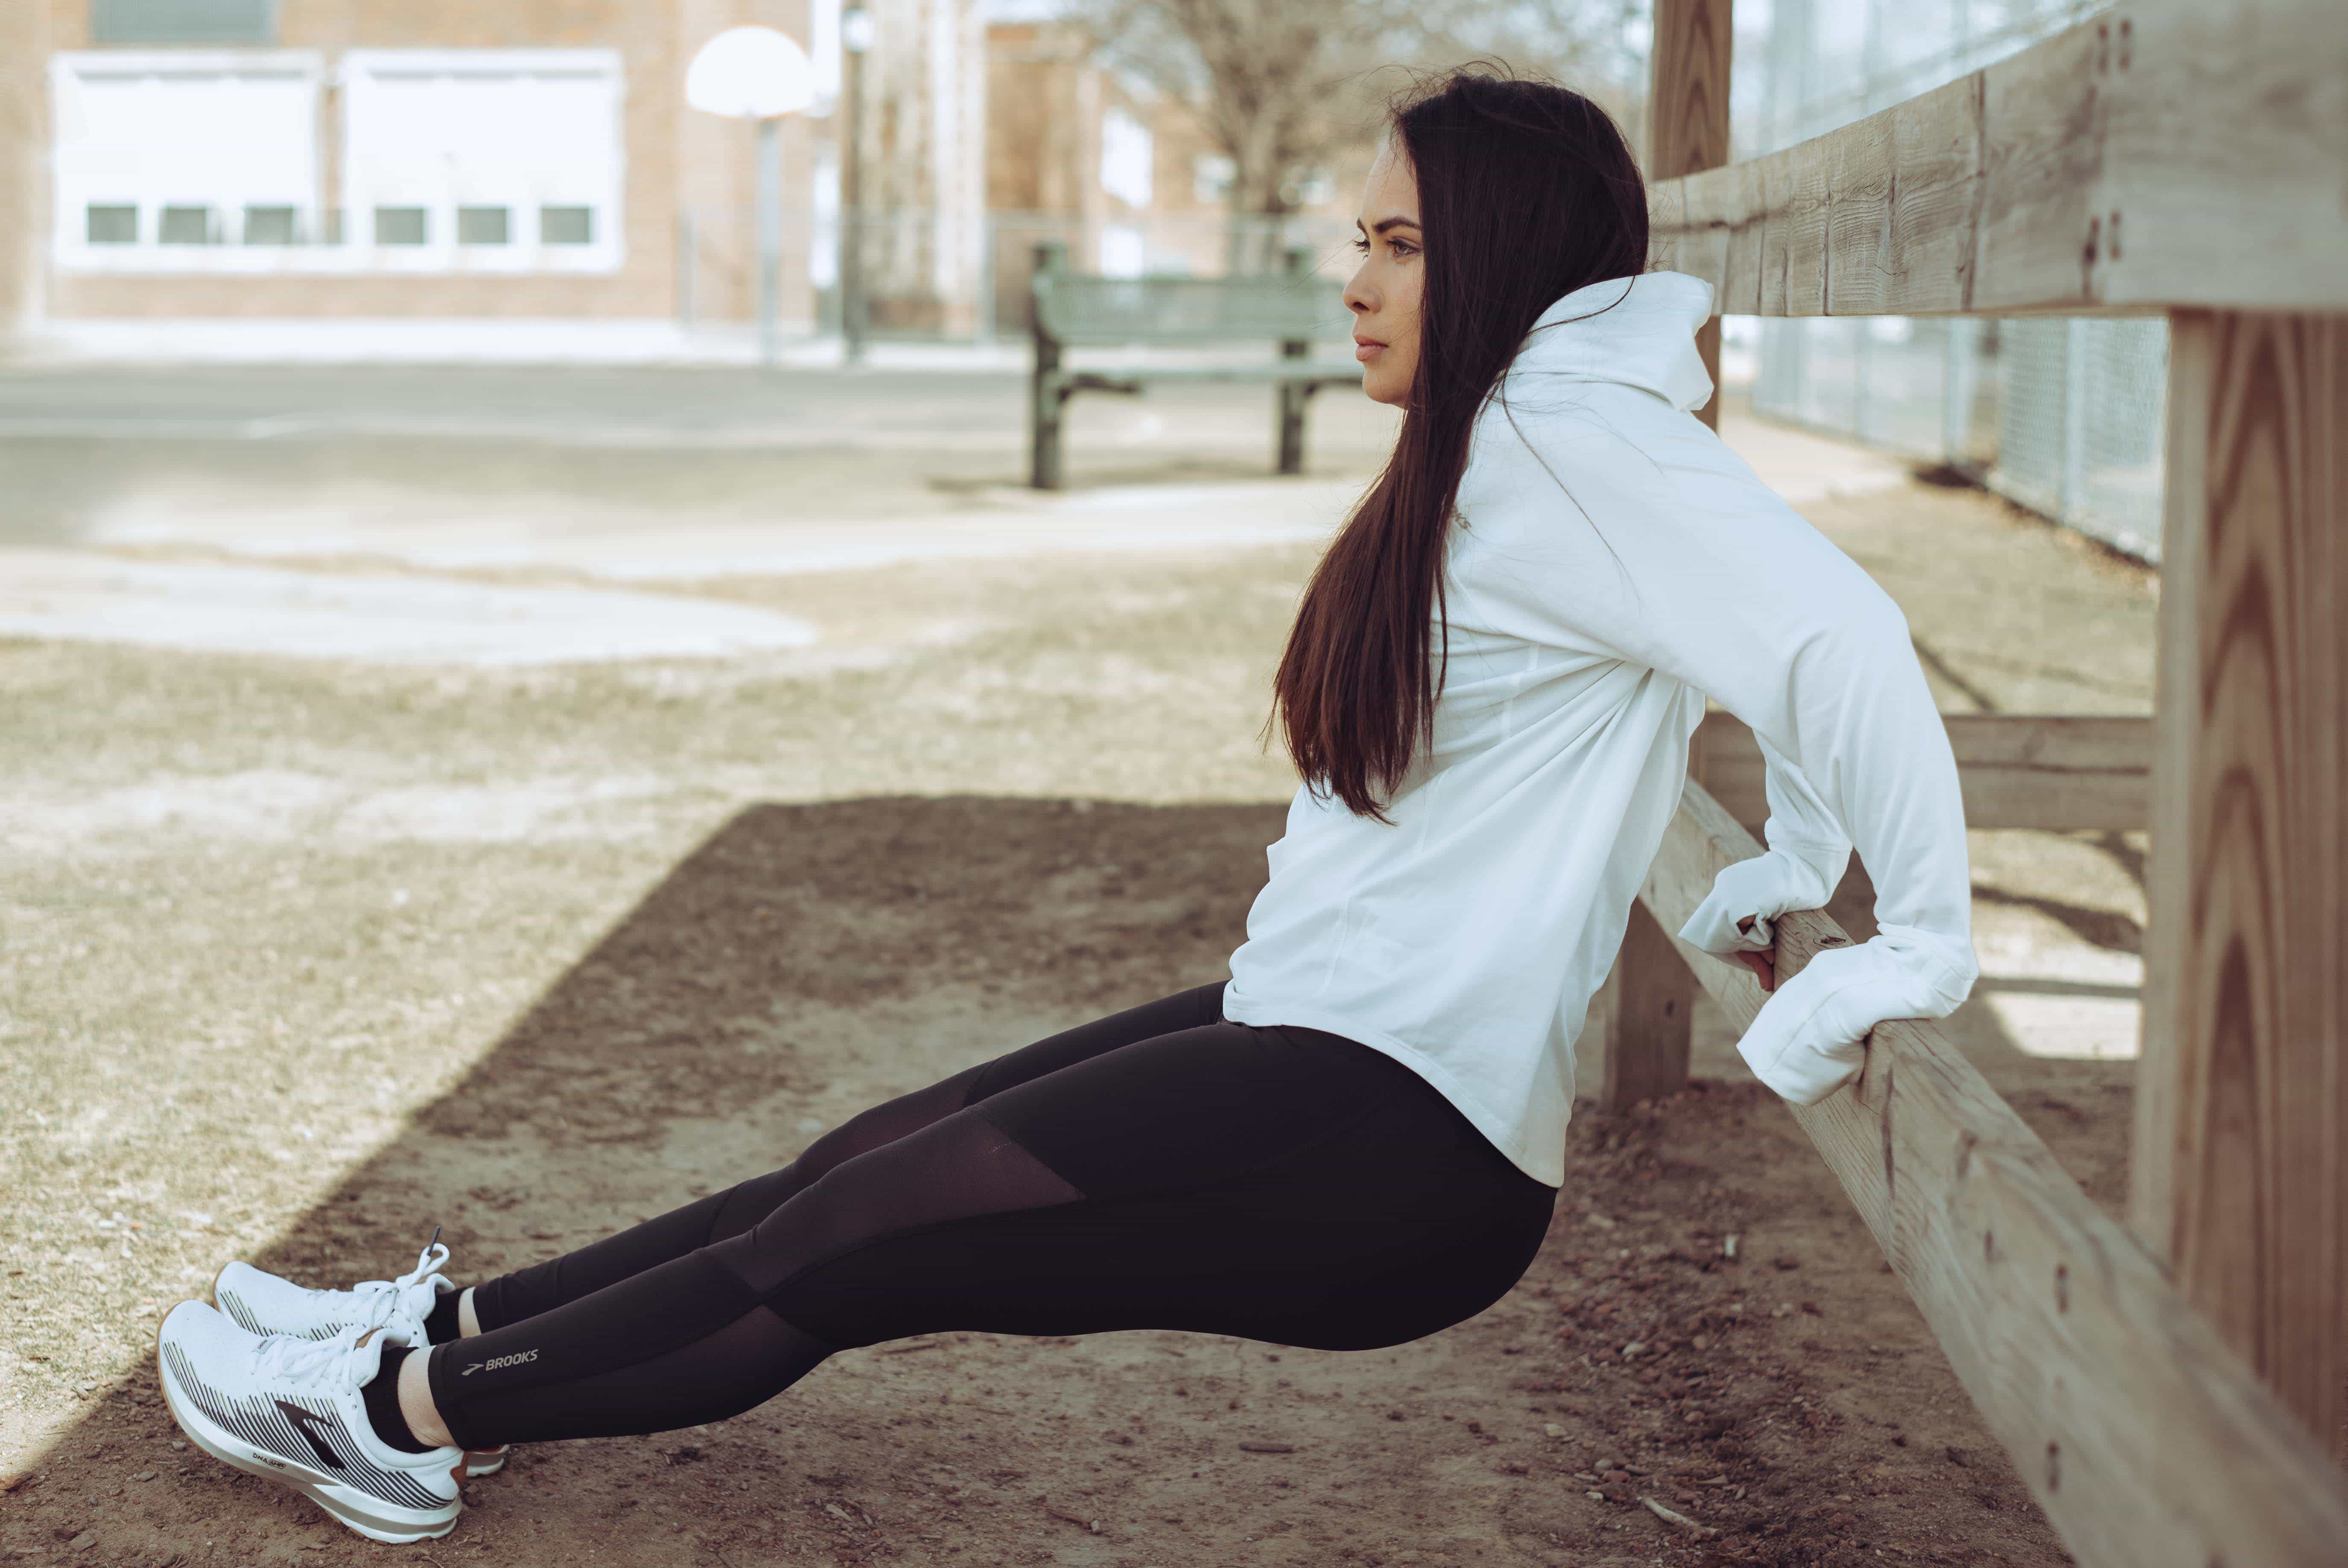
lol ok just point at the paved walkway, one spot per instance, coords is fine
(379, 574)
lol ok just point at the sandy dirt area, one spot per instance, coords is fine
(303, 956)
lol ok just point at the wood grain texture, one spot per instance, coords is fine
(2159, 155)
(2148, 1442)
(1649, 998)
(2241, 1171)
(1972, 197)
(1688, 87)
(1649, 1003)
(2226, 149)
(1687, 118)
(2053, 770)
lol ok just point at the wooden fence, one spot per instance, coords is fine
(2173, 1391)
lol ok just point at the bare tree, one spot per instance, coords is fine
(1280, 83)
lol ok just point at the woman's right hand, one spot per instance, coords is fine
(1764, 965)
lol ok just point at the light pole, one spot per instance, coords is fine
(757, 74)
(856, 31)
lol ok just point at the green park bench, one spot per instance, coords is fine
(1294, 310)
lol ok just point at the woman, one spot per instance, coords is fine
(1358, 1139)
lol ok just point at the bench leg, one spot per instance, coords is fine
(1650, 999)
(1044, 406)
(1291, 405)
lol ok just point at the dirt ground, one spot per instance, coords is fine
(303, 957)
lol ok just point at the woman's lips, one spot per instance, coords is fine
(1366, 346)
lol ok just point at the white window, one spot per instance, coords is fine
(483, 160)
(453, 160)
(184, 161)
(1124, 253)
(1128, 150)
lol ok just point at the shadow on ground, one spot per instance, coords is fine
(807, 960)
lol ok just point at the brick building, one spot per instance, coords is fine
(458, 159)
(23, 141)
(1128, 179)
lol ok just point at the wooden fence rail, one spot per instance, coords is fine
(2056, 770)
(2145, 1439)
(2159, 155)
(2062, 772)
(2186, 156)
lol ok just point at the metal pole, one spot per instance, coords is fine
(989, 237)
(853, 315)
(1957, 383)
(771, 233)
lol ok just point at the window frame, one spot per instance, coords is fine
(525, 251)
(333, 229)
(72, 194)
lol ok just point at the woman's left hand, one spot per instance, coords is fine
(1737, 919)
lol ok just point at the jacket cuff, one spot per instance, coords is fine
(1811, 1034)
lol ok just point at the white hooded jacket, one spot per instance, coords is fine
(1613, 563)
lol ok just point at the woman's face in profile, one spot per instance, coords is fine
(1384, 294)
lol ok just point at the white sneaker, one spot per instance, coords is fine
(290, 1409)
(262, 1303)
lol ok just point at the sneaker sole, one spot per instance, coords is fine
(370, 1516)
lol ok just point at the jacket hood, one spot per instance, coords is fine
(1633, 332)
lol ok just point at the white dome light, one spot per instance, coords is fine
(750, 73)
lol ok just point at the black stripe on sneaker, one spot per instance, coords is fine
(262, 1424)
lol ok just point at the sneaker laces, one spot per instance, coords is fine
(381, 1299)
(300, 1360)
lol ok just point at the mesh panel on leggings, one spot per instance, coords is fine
(688, 1340)
(949, 1170)
(543, 1287)
(1285, 1186)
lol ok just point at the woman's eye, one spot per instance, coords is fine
(1360, 244)
(1403, 248)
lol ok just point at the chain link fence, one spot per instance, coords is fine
(2061, 415)
(2079, 427)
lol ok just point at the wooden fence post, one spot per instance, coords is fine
(2239, 1177)
(1650, 993)
(1648, 998)
(1687, 119)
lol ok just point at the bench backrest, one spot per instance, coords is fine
(1075, 310)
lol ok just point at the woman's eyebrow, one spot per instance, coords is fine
(1383, 224)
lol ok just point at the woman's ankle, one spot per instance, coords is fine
(416, 1401)
(469, 1322)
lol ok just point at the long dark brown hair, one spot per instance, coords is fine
(1527, 191)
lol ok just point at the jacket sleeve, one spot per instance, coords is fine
(1801, 827)
(1674, 556)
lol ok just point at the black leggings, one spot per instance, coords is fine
(1159, 1169)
